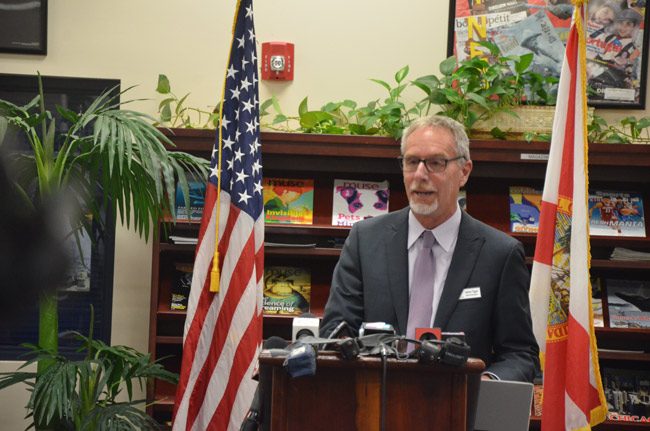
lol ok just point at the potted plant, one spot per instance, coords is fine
(121, 155)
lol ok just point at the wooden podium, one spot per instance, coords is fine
(346, 395)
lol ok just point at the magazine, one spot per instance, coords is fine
(628, 303)
(287, 290)
(525, 205)
(181, 285)
(537, 35)
(356, 200)
(288, 201)
(196, 201)
(628, 394)
(616, 213)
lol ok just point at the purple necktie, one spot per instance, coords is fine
(421, 299)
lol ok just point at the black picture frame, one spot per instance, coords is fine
(617, 66)
(23, 27)
(77, 293)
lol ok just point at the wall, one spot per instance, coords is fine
(339, 46)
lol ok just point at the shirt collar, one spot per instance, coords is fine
(445, 233)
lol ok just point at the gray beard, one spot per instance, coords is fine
(423, 209)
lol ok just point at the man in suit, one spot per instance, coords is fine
(479, 278)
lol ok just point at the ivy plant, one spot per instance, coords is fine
(173, 111)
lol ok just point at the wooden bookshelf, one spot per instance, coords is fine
(497, 166)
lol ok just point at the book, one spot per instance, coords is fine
(183, 239)
(628, 303)
(356, 200)
(180, 289)
(288, 201)
(538, 399)
(627, 392)
(621, 253)
(615, 213)
(287, 290)
(597, 302)
(525, 205)
(196, 201)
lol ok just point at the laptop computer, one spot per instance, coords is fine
(503, 406)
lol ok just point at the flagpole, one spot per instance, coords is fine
(214, 272)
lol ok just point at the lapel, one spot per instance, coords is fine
(397, 266)
(467, 250)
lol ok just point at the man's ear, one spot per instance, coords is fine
(465, 171)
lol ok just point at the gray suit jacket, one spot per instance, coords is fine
(370, 284)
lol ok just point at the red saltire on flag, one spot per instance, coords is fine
(560, 293)
(223, 327)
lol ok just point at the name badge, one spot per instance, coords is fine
(470, 293)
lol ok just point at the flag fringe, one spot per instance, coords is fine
(599, 413)
(215, 276)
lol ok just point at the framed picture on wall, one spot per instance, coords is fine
(617, 41)
(23, 26)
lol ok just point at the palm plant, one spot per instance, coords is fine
(83, 394)
(104, 151)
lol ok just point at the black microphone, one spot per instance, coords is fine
(276, 346)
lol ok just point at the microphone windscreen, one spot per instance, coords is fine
(275, 342)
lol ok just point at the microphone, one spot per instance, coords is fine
(276, 346)
(422, 334)
(305, 325)
(446, 347)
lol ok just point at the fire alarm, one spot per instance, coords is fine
(277, 61)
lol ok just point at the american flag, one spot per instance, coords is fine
(223, 328)
(560, 293)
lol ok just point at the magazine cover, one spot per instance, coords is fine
(628, 394)
(356, 200)
(628, 303)
(535, 34)
(287, 290)
(196, 198)
(288, 201)
(525, 205)
(181, 286)
(615, 213)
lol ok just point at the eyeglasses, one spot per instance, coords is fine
(433, 166)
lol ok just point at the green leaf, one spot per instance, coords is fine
(427, 83)
(265, 105)
(448, 66)
(480, 100)
(524, 63)
(310, 119)
(163, 84)
(276, 104)
(498, 133)
(302, 108)
(401, 74)
(382, 83)
(280, 118)
(166, 113)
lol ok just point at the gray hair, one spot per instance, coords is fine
(457, 130)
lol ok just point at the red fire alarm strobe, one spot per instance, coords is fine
(277, 61)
